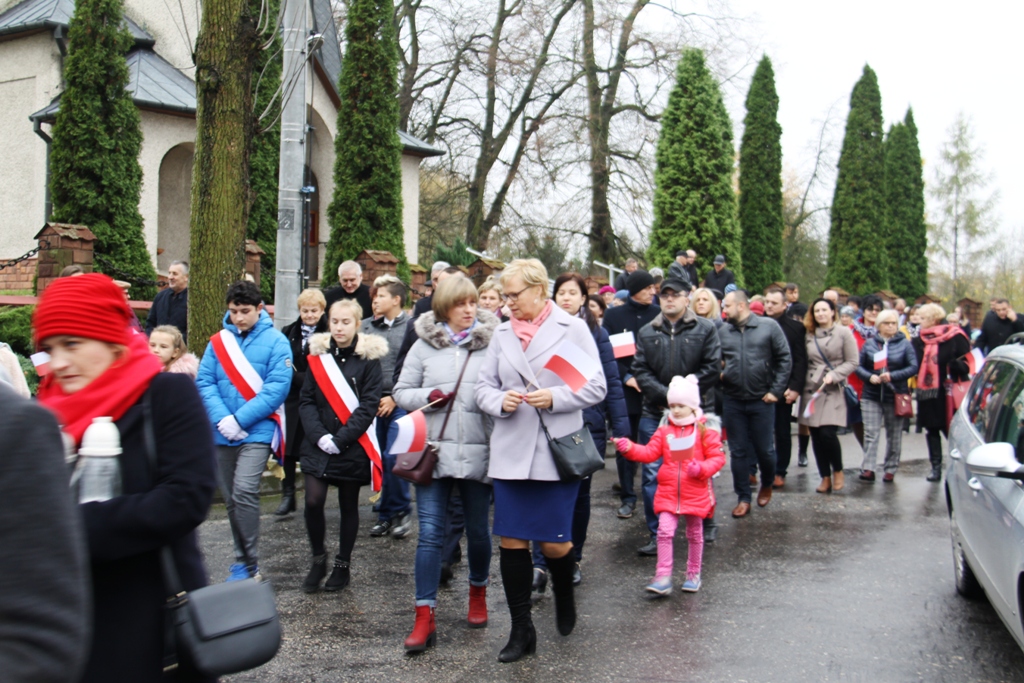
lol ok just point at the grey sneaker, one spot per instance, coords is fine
(401, 526)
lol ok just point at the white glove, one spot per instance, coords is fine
(327, 445)
(231, 430)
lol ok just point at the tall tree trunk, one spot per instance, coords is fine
(225, 57)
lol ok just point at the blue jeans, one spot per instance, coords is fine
(627, 468)
(394, 494)
(750, 426)
(649, 479)
(432, 506)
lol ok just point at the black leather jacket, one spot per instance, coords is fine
(756, 357)
(664, 350)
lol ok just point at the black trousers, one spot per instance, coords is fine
(783, 437)
(828, 452)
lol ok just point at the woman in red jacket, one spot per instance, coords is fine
(690, 454)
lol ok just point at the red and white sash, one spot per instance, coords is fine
(247, 381)
(343, 402)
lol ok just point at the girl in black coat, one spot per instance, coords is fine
(331, 452)
(312, 320)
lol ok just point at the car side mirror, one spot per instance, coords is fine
(997, 459)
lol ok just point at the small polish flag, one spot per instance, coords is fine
(573, 365)
(623, 344)
(809, 409)
(882, 358)
(975, 360)
(42, 362)
(412, 433)
(682, 448)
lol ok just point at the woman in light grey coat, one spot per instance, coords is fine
(530, 502)
(831, 358)
(452, 336)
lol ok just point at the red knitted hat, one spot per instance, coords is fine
(89, 306)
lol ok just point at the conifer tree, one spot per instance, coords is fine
(857, 259)
(904, 211)
(760, 204)
(694, 202)
(95, 175)
(366, 211)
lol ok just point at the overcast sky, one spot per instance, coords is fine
(938, 57)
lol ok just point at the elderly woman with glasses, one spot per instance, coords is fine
(525, 397)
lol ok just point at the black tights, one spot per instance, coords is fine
(934, 441)
(316, 525)
(827, 451)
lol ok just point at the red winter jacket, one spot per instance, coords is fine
(678, 492)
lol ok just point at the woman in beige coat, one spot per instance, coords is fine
(831, 357)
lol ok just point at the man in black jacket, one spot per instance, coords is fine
(170, 307)
(350, 286)
(719, 277)
(676, 342)
(627, 320)
(796, 334)
(999, 324)
(756, 367)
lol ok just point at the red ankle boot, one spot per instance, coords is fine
(477, 607)
(422, 635)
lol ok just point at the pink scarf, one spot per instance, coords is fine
(527, 330)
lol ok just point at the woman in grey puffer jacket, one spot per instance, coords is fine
(454, 334)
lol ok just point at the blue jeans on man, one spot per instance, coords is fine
(394, 494)
(649, 478)
(750, 426)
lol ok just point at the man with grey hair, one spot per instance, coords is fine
(350, 286)
(423, 305)
(170, 307)
(631, 266)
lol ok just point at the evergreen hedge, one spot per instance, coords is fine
(904, 211)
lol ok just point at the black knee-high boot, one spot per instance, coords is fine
(565, 602)
(934, 441)
(517, 576)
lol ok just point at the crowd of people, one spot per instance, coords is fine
(674, 372)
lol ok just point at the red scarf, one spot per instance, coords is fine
(109, 395)
(928, 380)
(526, 330)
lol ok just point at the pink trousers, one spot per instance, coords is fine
(667, 524)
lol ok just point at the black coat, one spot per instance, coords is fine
(629, 317)
(169, 308)
(361, 295)
(796, 337)
(755, 359)
(360, 365)
(931, 413)
(664, 350)
(125, 534)
(718, 281)
(293, 425)
(995, 331)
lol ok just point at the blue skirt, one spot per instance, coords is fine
(534, 510)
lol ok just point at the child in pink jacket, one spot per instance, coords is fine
(690, 455)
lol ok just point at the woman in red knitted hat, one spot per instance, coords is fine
(99, 367)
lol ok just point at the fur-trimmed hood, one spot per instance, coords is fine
(368, 346)
(186, 365)
(433, 333)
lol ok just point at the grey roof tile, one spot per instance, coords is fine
(36, 14)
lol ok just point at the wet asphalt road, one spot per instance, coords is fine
(853, 586)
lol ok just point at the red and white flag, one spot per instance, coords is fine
(42, 362)
(682, 448)
(247, 381)
(412, 433)
(623, 344)
(975, 360)
(809, 408)
(573, 365)
(882, 358)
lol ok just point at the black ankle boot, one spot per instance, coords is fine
(561, 570)
(517, 577)
(934, 442)
(316, 574)
(936, 473)
(339, 576)
(287, 505)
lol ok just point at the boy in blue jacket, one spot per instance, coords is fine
(244, 379)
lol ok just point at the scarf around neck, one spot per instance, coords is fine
(459, 338)
(109, 395)
(928, 380)
(527, 330)
(865, 331)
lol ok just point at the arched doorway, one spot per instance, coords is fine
(174, 212)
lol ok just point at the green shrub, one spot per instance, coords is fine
(16, 328)
(30, 373)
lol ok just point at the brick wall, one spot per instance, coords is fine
(18, 276)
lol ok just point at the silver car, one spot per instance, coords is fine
(985, 487)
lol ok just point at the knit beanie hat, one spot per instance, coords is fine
(638, 280)
(684, 391)
(89, 306)
(606, 290)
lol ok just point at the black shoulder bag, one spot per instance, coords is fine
(576, 456)
(219, 629)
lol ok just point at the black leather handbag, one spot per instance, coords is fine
(220, 629)
(575, 455)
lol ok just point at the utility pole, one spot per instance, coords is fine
(291, 204)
